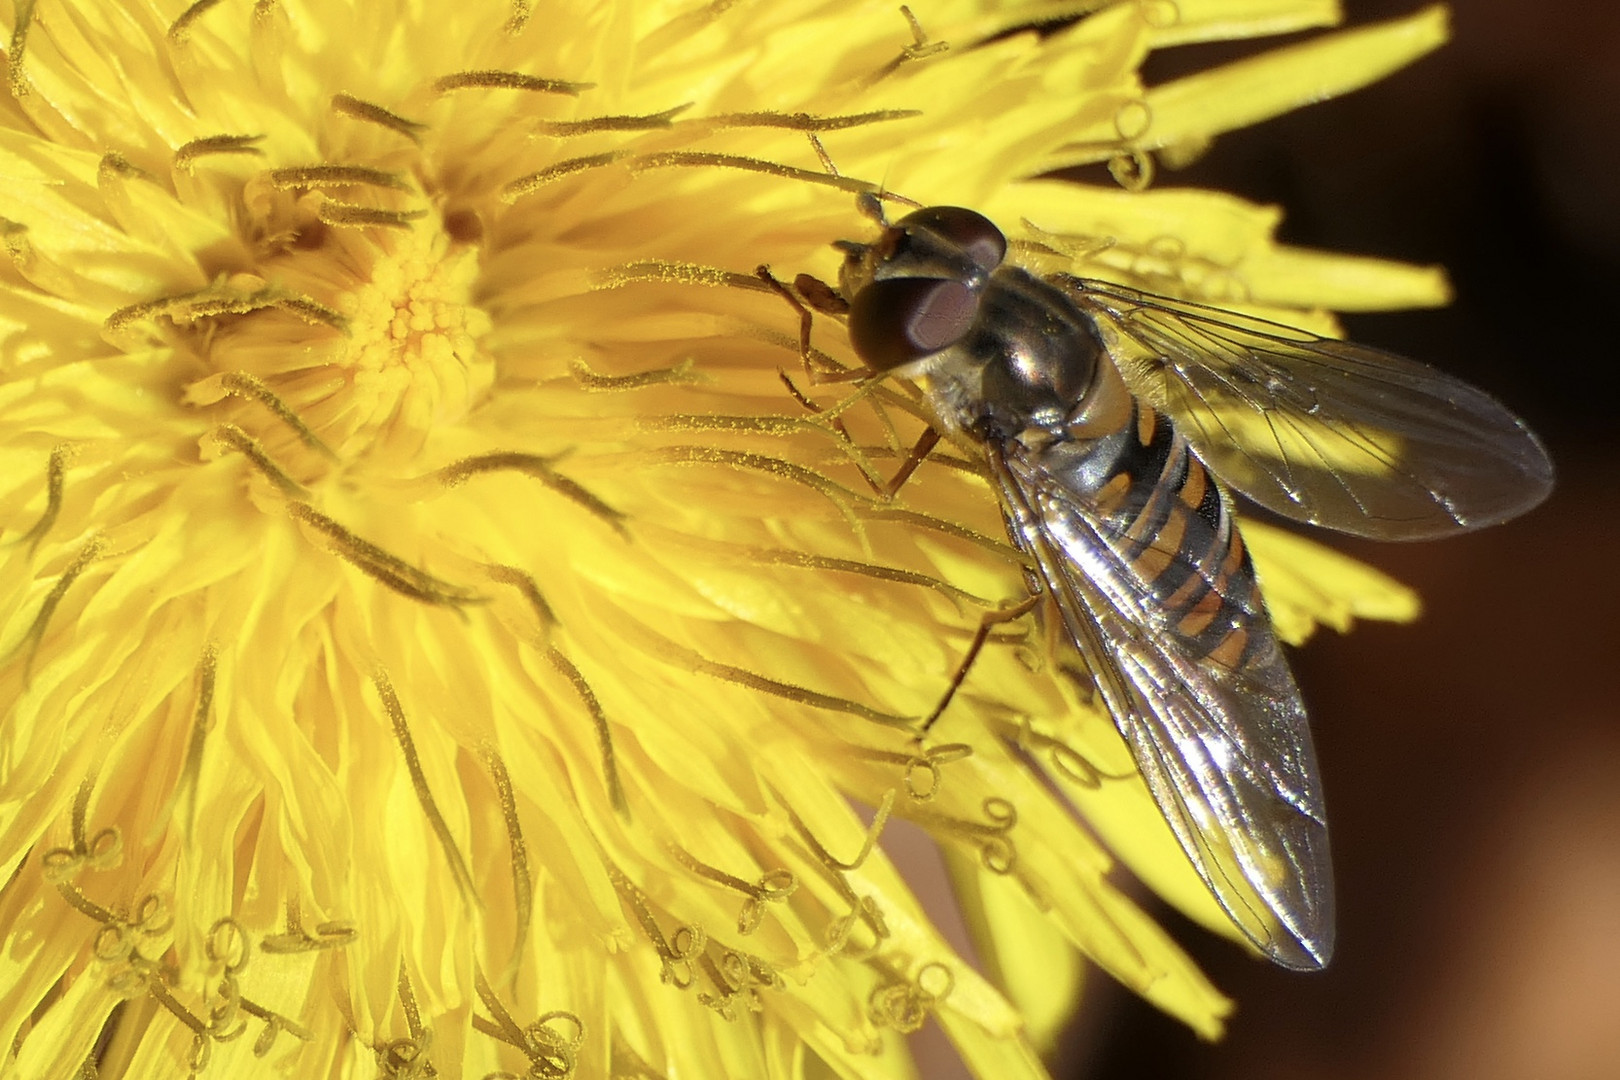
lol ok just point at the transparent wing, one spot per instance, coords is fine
(1319, 430)
(1226, 754)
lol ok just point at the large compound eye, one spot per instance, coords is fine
(898, 320)
(973, 233)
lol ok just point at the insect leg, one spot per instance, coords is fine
(989, 621)
(919, 453)
(810, 406)
(821, 296)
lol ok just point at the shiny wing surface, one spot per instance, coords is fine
(1319, 430)
(1226, 753)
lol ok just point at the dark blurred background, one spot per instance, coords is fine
(1472, 760)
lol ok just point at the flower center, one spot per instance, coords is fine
(360, 343)
(411, 361)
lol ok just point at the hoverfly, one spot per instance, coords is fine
(1114, 423)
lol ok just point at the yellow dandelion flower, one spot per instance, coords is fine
(444, 632)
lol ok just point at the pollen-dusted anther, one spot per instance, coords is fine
(507, 80)
(697, 159)
(17, 48)
(55, 483)
(234, 438)
(187, 156)
(216, 301)
(808, 122)
(325, 176)
(522, 884)
(377, 563)
(674, 273)
(604, 730)
(527, 185)
(34, 638)
(522, 10)
(349, 105)
(677, 375)
(591, 125)
(240, 384)
(348, 215)
(180, 29)
(424, 794)
(538, 468)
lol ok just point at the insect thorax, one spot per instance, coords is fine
(1025, 368)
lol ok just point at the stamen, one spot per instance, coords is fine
(507, 80)
(331, 934)
(246, 445)
(868, 841)
(388, 569)
(115, 166)
(650, 122)
(424, 795)
(996, 851)
(676, 273)
(737, 975)
(537, 468)
(348, 215)
(22, 19)
(180, 29)
(55, 482)
(919, 49)
(604, 732)
(521, 10)
(522, 884)
(274, 1024)
(676, 952)
(678, 375)
(683, 159)
(241, 384)
(365, 111)
(526, 585)
(809, 561)
(36, 631)
(904, 1004)
(191, 769)
(774, 885)
(691, 660)
(324, 176)
(14, 236)
(524, 185)
(186, 157)
(808, 121)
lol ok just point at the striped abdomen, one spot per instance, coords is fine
(1157, 506)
